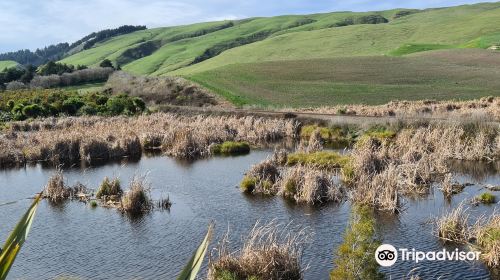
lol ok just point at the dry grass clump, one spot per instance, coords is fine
(109, 189)
(487, 238)
(453, 226)
(269, 252)
(483, 234)
(485, 108)
(55, 190)
(261, 178)
(137, 200)
(309, 185)
(69, 140)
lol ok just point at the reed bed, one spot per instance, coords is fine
(270, 252)
(482, 234)
(70, 140)
(487, 108)
(384, 170)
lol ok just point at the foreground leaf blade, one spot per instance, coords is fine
(193, 267)
(16, 239)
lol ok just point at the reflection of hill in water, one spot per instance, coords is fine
(479, 170)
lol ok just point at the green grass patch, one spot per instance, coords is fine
(230, 148)
(4, 64)
(414, 48)
(487, 198)
(380, 132)
(323, 159)
(356, 80)
(248, 184)
(85, 88)
(355, 256)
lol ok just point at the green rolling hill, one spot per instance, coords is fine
(221, 55)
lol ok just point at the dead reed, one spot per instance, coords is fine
(270, 252)
(309, 185)
(55, 190)
(137, 199)
(454, 226)
(69, 140)
(487, 108)
(487, 238)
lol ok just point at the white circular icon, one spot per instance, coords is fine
(386, 255)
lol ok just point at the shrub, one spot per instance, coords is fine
(33, 111)
(72, 105)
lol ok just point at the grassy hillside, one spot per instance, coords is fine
(7, 64)
(448, 28)
(295, 60)
(441, 75)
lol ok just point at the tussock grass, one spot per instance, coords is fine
(487, 237)
(483, 234)
(261, 178)
(309, 185)
(56, 190)
(453, 226)
(109, 189)
(137, 199)
(270, 252)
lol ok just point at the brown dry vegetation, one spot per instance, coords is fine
(483, 234)
(487, 108)
(70, 140)
(161, 90)
(270, 252)
(385, 169)
(380, 170)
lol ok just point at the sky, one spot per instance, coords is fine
(30, 24)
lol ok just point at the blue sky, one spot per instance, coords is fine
(36, 23)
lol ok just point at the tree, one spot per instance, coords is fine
(107, 64)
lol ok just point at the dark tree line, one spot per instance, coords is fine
(57, 52)
(96, 37)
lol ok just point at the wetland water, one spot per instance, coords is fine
(76, 241)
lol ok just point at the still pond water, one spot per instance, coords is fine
(75, 241)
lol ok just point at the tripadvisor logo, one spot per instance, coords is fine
(387, 255)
